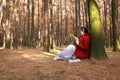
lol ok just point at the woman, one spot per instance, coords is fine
(80, 51)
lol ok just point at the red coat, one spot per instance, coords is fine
(82, 50)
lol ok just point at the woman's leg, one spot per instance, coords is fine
(66, 53)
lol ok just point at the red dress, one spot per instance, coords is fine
(82, 50)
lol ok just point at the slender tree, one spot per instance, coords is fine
(28, 25)
(7, 26)
(17, 25)
(97, 43)
(52, 45)
(86, 13)
(60, 22)
(66, 24)
(32, 28)
(39, 32)
(115, 25)
(46, 42)
(76, 17)
(1, 23)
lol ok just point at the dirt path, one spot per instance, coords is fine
(33, 64)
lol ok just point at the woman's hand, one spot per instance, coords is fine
(75, 38)
(77, 41)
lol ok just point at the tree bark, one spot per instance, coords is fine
(97, 44)
(28, 25)
(46, 38)
(32, 28)
(114, 25)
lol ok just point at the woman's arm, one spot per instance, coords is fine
(84, 43)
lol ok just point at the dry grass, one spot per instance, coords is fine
(33, 64)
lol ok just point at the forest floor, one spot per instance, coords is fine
(33, 64)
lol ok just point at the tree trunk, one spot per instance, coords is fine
(66, 24)
(97, 44)
(86, 14)
(39, 32)
(114, 25)
(76, 17)
(52, 31)
(46, 42)
(32, 29)
(60, 23)
(28, 26)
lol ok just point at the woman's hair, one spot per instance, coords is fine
(84, 30)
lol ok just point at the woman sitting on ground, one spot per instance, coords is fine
(80, 51)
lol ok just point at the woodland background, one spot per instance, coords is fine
(32, 32)
(39, 23)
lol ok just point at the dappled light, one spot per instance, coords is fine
(33, 57)
(38, 55)
(118, 44)
(49, 54)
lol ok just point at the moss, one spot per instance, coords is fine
(97, 43)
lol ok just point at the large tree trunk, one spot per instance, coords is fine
(97, 44)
